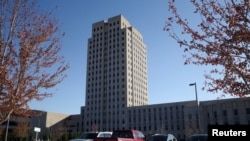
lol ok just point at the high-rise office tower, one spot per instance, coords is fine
(116, 74)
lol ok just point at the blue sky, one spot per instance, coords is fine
(168, 77)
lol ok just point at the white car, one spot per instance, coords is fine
(162, 137)
(89, 136)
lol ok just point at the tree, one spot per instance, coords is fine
(221, 40)
(30, 62)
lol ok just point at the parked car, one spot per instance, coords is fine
(162, 137)
(89, 136)
(198, 137)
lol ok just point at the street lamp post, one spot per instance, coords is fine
(197, 102)
(7, 128)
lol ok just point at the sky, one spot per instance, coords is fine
(168, 77)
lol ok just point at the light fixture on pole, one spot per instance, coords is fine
(197, 102)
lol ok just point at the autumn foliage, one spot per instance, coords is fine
(30, 63)
(221, 40)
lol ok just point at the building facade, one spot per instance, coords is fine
(116, 73)
(178, 118)
(48, 123)
(182, 119)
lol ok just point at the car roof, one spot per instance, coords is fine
(106, 132)
(162, 134)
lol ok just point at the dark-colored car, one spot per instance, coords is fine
(162, 137)
(198, 137)
(89, 136)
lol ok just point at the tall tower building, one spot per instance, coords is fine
(116, 74)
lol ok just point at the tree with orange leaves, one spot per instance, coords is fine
(221, 40)
(29, 56)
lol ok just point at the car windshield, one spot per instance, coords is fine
(158, 138)
(88, 136)
(122, 134)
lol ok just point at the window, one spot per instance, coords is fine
(248, 111)
(236, 112)
(224, 113)
(215, 114)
